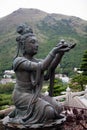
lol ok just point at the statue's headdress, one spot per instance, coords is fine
(25, 31)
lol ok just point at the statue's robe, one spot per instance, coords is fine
(30, 105)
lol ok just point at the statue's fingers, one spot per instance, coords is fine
(65, 49)
(72, 45)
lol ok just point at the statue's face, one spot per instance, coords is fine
(31, 45)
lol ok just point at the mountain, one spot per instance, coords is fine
(49, 29)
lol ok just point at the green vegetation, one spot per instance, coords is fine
(59, 87)
(6, 95)
(84, 64)
(78, 82)
(5, 101)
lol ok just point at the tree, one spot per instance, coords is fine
(83, 66)
(59, 87)
(78, 81)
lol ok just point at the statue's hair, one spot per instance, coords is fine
(25, 31)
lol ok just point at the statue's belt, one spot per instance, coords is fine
(23, 86)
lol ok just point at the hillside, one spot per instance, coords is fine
(49, 29)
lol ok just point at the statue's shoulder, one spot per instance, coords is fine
(17, 61)
(38, 60)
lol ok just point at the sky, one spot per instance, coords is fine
(76, 8)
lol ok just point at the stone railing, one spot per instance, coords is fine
(72, 98)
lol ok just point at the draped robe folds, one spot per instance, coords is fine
(30, 105)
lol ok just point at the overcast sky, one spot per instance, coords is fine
(68, 7)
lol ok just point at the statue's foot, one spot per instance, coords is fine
(60, 116)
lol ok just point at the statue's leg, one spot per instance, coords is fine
(57, 105)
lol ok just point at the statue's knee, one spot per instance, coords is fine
(50, 112)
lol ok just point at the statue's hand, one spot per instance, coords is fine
(60, 48)
(64, 46)
(71, 46)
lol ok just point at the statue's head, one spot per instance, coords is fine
(27, 41)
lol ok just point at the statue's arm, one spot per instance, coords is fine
(55, 56)
(59, 56)
(54, 64)
(25, 64)
(21, 63)
(57, 60)
(51, 60)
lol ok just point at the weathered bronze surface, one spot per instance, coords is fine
(31, 107)
(52, 125)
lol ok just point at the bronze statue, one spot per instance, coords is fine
(30, 105)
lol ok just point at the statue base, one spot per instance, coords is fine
(51, 125)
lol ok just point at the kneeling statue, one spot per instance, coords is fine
(32, 107)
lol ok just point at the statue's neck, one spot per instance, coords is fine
(28, 57)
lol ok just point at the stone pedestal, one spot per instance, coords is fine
(60, 127)
(52, 125)
(1, 126)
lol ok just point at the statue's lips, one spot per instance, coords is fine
(35, 49)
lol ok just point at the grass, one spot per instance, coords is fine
(5, 101)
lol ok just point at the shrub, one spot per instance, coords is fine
(5, 95)
(59, 86)
(5, 100)
(6, 88)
